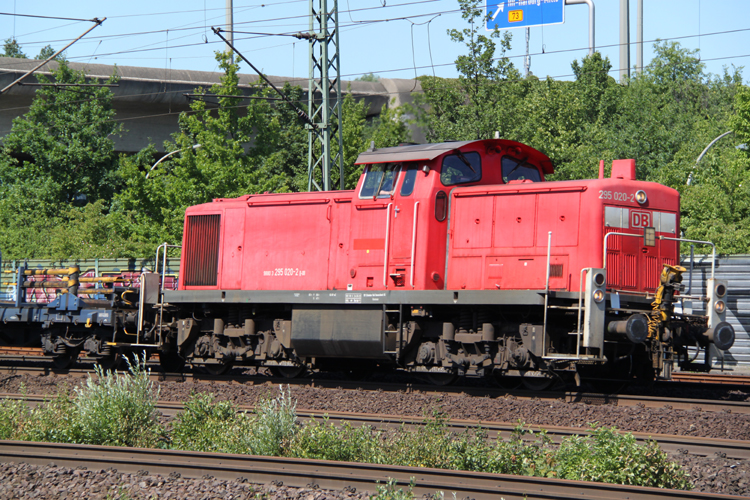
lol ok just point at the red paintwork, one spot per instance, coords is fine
(495, 235)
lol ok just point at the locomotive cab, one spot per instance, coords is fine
(400, 216)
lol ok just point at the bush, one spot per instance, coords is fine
(118, 410)
(609, 457)
(325, 441)
(274, 424)
(209, 426)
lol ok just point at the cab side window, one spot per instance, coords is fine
(380, 180)
(461, 168)
(518, 170)
(410, 178)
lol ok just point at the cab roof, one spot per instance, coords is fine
(426, 152)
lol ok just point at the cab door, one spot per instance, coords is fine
(403, 231)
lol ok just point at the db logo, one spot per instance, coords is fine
(640, 219)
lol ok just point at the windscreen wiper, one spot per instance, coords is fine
(465, 160)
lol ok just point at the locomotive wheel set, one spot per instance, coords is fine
(451, 259)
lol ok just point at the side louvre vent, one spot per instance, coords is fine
(202, 250)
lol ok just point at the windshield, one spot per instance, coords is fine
(461, 168)
(380, 180)
(518, 170)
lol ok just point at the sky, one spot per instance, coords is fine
(390, 38)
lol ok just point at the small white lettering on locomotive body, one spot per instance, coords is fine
(617, 196)
(285, 271)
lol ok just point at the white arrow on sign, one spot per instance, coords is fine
(500, 8)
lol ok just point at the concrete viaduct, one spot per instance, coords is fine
(148, 101)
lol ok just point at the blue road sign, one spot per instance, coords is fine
(508, 14)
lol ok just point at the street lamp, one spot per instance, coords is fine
(170, 154)
(700, 157)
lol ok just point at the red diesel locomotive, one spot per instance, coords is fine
(447, 259)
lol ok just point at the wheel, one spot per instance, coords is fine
(537, 383)
(109, 362)
(64, 361)
(505, 381)
(171, 362)
(217, 368)
(608, 386)
(440, 379)
(287, 371)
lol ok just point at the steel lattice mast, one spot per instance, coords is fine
(324, 96)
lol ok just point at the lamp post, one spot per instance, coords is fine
(165, 157)
(703, 153)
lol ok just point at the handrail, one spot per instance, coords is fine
(385, 250)
(713, 249)
(546, 294)
(413, 242)
(580, 309)
(606, 237)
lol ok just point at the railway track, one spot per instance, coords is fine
(623, 400)
(711, 378)
(305, 473)
(675, 445)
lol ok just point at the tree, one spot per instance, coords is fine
(11, 48)
(65, 138)
(58, 157)
(223, 153)
(48, 51)
(475, 105)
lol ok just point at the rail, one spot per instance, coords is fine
(306, 473)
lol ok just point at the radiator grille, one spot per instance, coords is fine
(555, 270)
(631, 272)
(202, 250)
(652, 272)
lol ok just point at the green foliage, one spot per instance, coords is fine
(11, 48)
(610, 457)
(206, 425)
(326, 441)
(58, 157)
(390, 491)
(476, 104)
(221, 154)
(48, 51)
(368, 77)
(118, 410)
(274, 424)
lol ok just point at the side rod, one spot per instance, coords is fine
(296, 109)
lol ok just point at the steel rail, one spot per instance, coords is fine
(623, 400)
(711, 378)
(672, 444)
(306, 473)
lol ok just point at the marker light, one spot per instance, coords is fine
(640, 197)
(720, 306)
(598, 296)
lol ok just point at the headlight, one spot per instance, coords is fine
(720, 306)
(598, 296)
(599, 279)
(640, 197)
